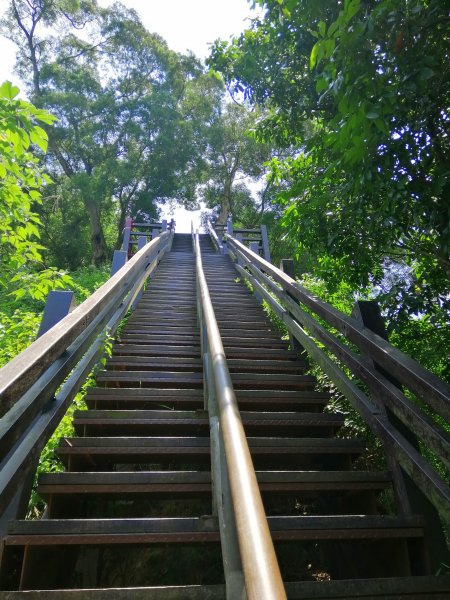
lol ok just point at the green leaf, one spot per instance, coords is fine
(315, 57)
(426, 73)
(321, 85)
(9, 91)
(372, 114)
(39, 137)
(351, 7)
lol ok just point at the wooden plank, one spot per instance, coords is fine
(395, 588)
(187, 592)
(182, 481)
(205, 529)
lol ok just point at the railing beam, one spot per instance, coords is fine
(416, 502)
(372, 410)
(411, 374)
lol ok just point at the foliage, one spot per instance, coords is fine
(21, 180)
(359, 91)
(20, 319)
(126, 134)
(17, 331)
(232, 156)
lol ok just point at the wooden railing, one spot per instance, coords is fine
(394, 417)
(216, 240)
(255, 238)
(136, 234)
(37, 386)
(244, 531)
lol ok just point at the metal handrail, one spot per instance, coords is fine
(384, 393)
(261, 571)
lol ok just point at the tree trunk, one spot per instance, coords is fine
(121, 225)
(98, 243)
(225, 206)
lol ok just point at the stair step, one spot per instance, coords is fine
(177, 363)
(184, 592)
(193, 398)
(393, 588)
(130, 422)
(160, 450)
(160, 340)
(195, 379)
(143, 349)
(199, 482)
(205, 529)
(148, 349)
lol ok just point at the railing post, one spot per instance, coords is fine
(230, 225)
(164, 225)
(58, 305)
(239, 238)
(410, 498)
(287, 266)
(142, 241)
(127, 234)
(119, 259)
(265, 243)
(254, 247)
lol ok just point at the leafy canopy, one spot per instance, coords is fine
(359, 90)
(21, 180)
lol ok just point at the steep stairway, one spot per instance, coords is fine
(131, 516)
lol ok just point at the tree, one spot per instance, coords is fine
(21, 180)
(121, 142)
(360, 90)
(233, 155)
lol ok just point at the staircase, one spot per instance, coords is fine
(132, 515)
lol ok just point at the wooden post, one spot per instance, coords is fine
(254, 247)
(58, 305)
(164, 225)
(142, 241)
(369, 313)
(265, 243)
(119, 259)
(287, 266)
(239, 238)
(126, 239)
(230, 226)
(155, 233)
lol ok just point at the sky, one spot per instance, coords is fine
(184, 24)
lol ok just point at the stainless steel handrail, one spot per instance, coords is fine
(260, 566)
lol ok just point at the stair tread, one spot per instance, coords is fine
(398, 588)
(164, 416)
(93, 479)
(159, 442)
(266, 366)
(201, 529)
